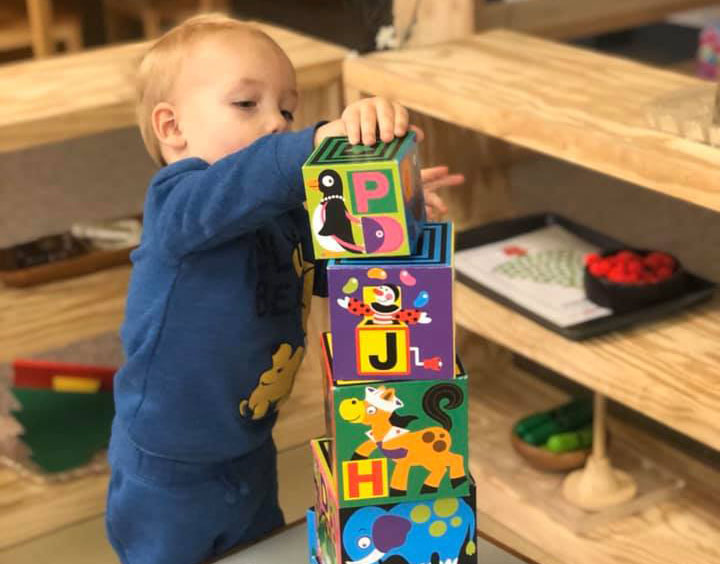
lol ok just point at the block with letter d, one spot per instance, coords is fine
(441, 529)
(364, 200)
(392, 318)
(396, 440)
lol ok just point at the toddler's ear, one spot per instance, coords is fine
(166, 127)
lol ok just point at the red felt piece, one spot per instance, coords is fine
(29, 373)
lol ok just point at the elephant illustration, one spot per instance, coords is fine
(441, 531)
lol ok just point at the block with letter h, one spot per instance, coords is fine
(392, 318)
(441, 529)
(396, 440)
(364, 200)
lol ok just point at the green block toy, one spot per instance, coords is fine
(364, 200)
(537, 428)
(394, 441)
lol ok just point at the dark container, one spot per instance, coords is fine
(627, 297)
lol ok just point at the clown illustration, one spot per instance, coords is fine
(384, 310)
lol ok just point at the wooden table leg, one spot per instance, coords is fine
(424, 22)
(213, 6)
(40, 16)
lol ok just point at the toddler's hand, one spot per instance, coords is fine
(361, 120)
(432, 179)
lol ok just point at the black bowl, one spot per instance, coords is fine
(627, 297)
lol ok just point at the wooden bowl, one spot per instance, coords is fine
(548, 461)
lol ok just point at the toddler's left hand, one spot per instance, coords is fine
(432, 179)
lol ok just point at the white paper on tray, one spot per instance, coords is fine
(542, 271)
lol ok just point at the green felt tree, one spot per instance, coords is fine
(560, 266)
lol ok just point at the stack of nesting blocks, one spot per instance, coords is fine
(391, 477)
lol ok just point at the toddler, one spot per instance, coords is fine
(214, 328)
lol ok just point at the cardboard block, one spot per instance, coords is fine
(442, 529)
(364, 200)
(393, 318)
(396, 440)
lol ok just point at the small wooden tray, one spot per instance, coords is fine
(76, 266)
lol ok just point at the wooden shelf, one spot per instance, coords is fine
(571, 103)
(53, 315)
(569, 19)
(685, 529)
(667, 370)
(94, 91)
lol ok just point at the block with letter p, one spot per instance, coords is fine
(364, 200)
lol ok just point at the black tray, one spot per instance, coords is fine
(697, 289)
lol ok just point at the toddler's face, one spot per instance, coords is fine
(232, 89)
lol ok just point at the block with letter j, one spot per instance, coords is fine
(391, 318)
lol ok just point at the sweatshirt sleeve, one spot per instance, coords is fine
(210, 204)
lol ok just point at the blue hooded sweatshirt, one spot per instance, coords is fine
(213, 330)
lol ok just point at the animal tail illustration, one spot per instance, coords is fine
(401, 420)
(440, 398)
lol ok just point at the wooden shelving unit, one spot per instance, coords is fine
(685, 529)
(94, 91)
(576, 105)
(667, 370)
(565, 19)
(588, 109)
(57, 314)
(83, 94)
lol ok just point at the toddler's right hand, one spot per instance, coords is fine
(361, 120)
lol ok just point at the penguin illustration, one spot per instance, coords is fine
(331, 219)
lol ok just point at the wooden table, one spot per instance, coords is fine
(588, 109)
(40, 14)
(91, 92)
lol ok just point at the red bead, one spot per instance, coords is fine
(664, 272)
(592, 258)
(616, 275)
(600, 268)
(626, 256)
(635, 267)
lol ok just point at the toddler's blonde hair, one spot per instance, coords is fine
(161, 63)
